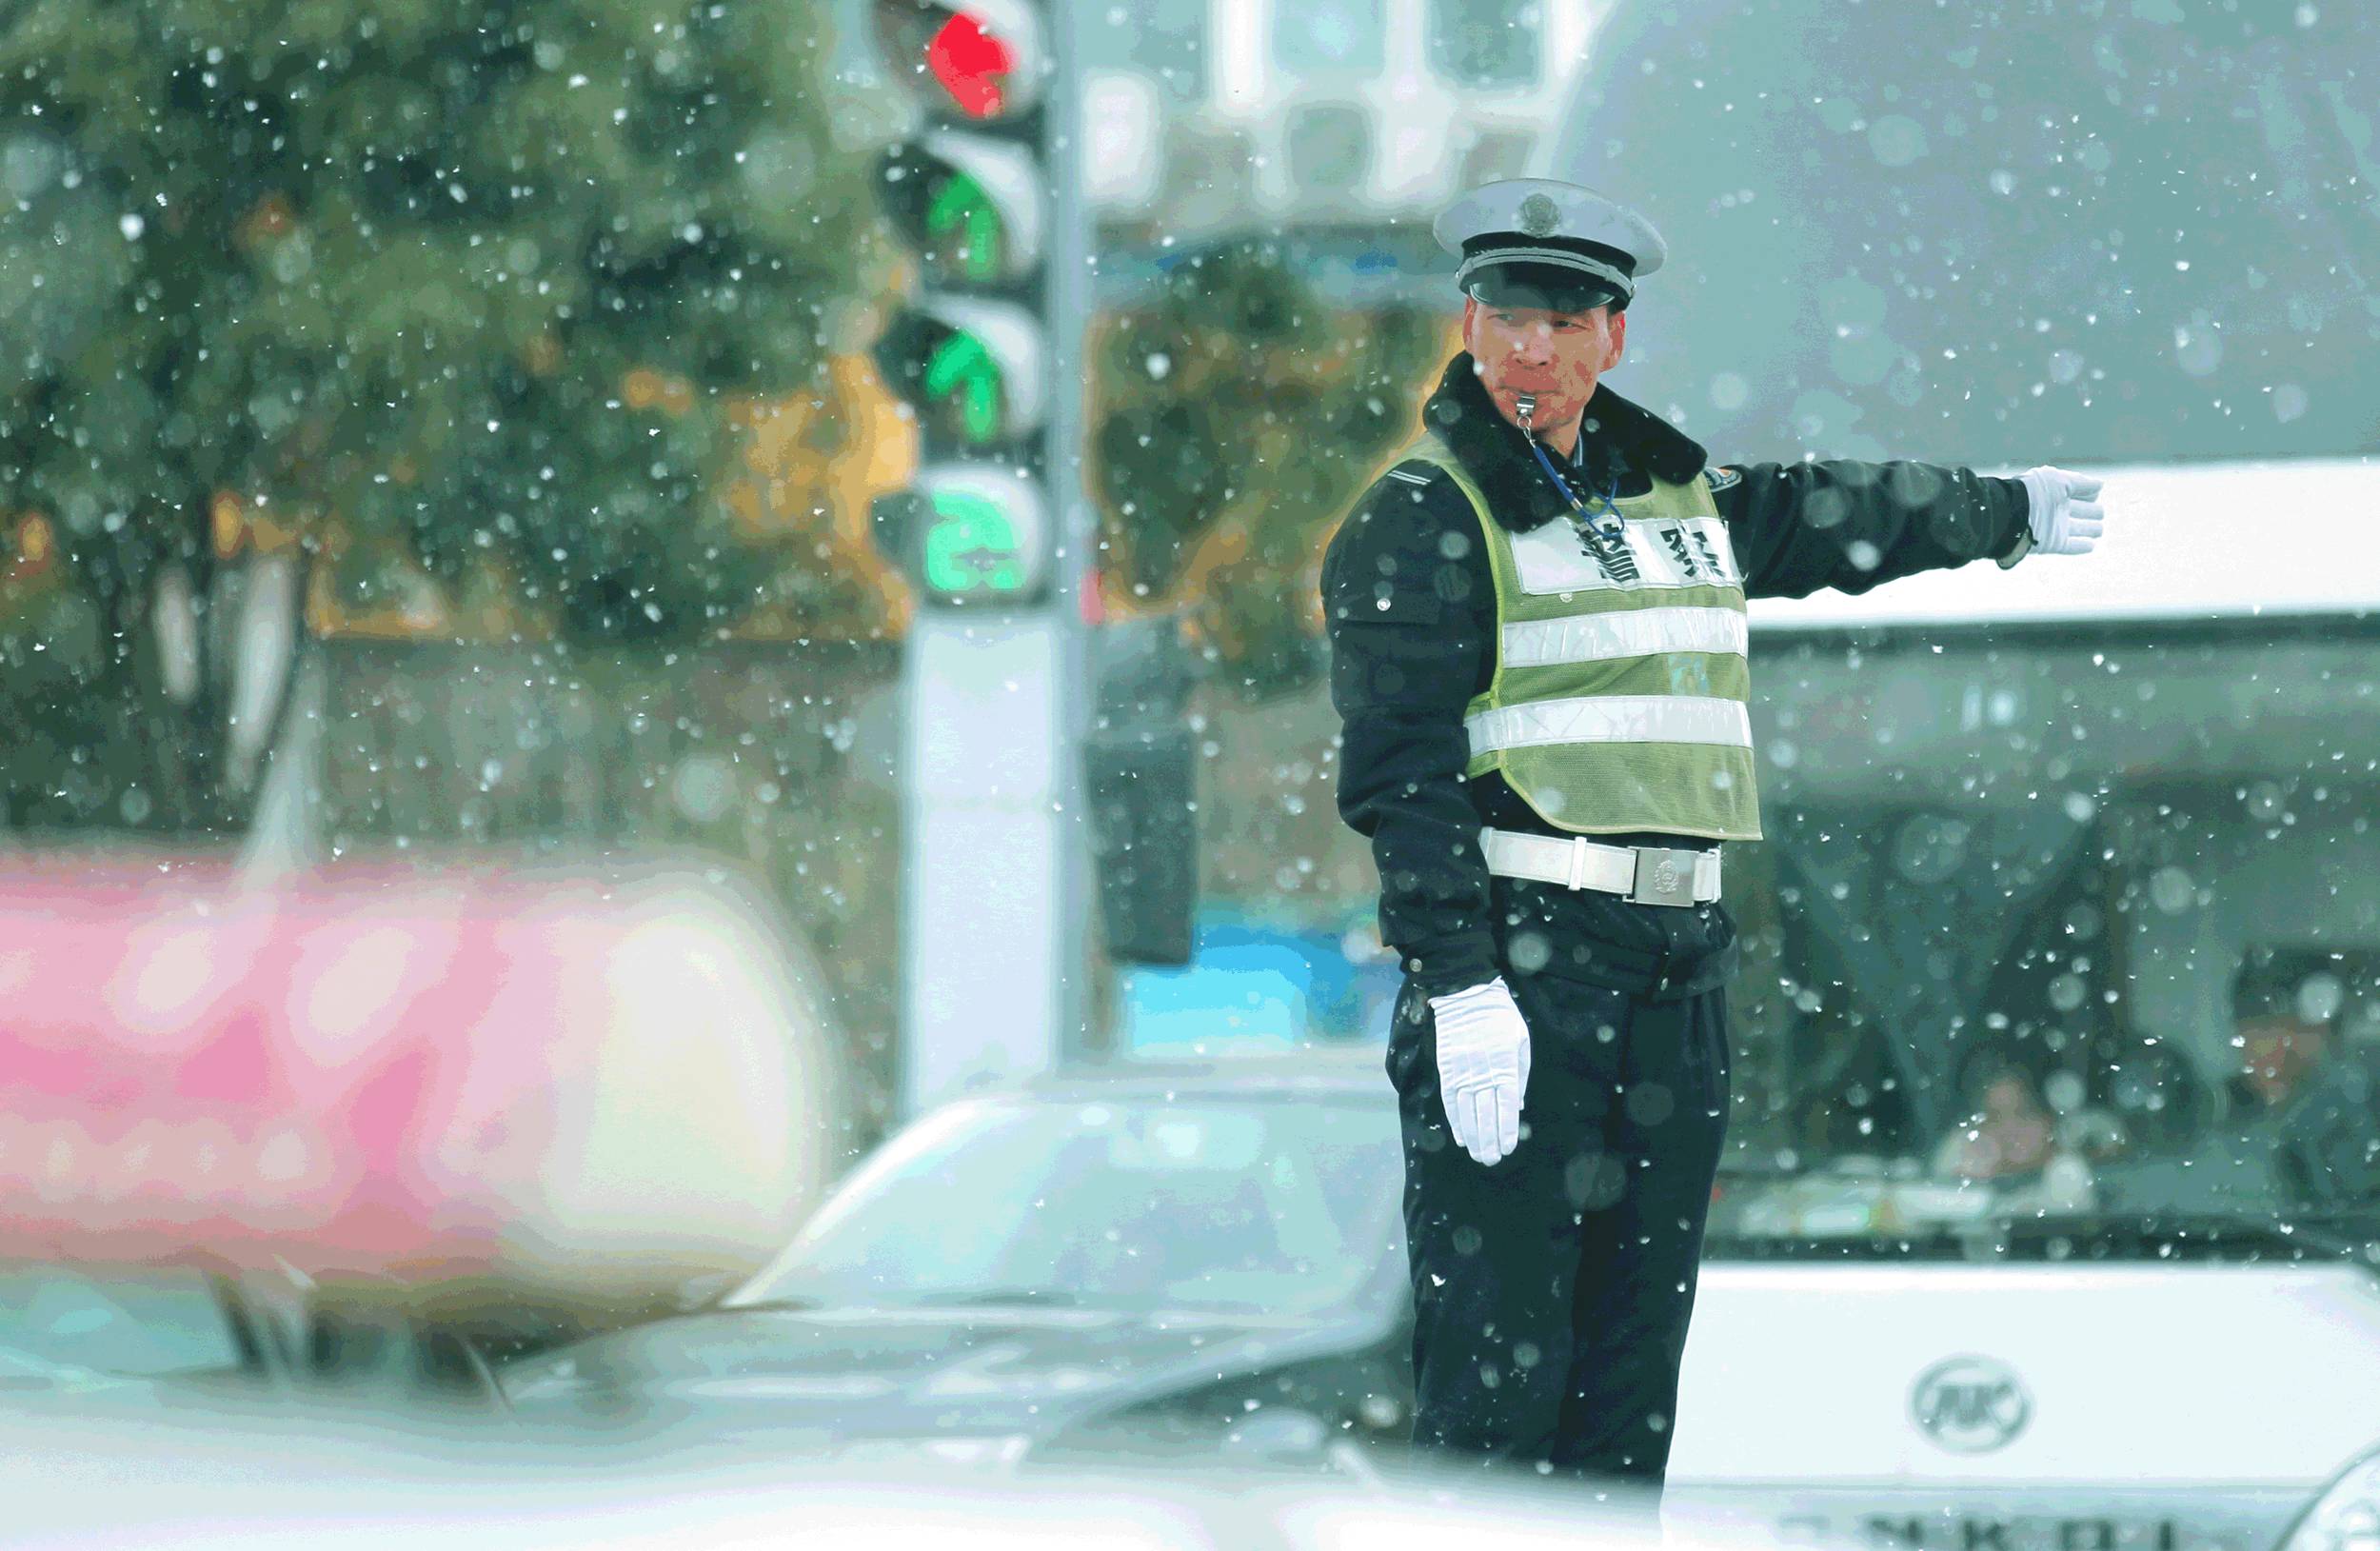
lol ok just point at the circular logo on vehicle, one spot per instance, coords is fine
(1537, 216)
(1970, 1404)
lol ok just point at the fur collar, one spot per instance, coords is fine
(1493, 453)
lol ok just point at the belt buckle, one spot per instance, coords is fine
(1664, 877)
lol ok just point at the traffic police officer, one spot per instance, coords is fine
(1537, 623)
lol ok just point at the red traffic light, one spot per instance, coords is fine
(972, 65)
(986, 56)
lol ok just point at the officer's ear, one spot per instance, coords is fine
(1470, 318)
(1620, 338)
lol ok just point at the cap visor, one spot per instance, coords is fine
(1540, 288)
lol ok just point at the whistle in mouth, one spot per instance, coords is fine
(1526, 405)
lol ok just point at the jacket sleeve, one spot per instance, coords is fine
(1409, 605)
(1798, 527)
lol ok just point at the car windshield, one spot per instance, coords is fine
(64, 1327)
(2091, 938)
(1269, 1207)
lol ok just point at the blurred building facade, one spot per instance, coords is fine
(1354, 119)
(1209, 115)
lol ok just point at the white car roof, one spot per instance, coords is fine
(2183, 542)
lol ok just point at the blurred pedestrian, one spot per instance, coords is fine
(1536, 620)
(2307, 1099)
(2281, 1027)
(2008, 1132)
(2012, 1140)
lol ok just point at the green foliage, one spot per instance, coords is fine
(394, 262)
(1239, 415)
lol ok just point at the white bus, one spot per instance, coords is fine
(2053, 1216)
(2026, 832)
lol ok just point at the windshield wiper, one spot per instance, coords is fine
(2089, 1235)
(24, 1370)
(1002, 1297)
(765, 1305)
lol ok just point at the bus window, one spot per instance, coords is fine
(2096, 933)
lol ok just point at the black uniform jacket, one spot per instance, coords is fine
(1411, 611)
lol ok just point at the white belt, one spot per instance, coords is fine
(1647, 874)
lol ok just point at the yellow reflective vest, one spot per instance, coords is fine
(1622, 681)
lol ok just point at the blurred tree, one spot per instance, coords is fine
(270, 272)
(1237, 416)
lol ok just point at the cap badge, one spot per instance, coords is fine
(1538, 217)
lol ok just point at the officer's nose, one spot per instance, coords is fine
(1534, 345)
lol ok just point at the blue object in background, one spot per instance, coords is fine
(1254, 985)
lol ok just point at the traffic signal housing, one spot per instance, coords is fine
(985, 199)
(968, 533)
(973, 371)
(972, 197)
(984, 58)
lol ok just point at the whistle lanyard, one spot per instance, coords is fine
(1605, 521)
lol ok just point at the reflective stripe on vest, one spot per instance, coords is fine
(1610, 719)
(1594, 638)
(1621, 674)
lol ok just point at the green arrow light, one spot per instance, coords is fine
(961, 367)
(973, 546)
(961, 205)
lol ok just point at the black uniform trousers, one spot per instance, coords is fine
(1552, 1291)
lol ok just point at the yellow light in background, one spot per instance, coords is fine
(235, 525)
(646, 388)
(228, 523)
(36, 542)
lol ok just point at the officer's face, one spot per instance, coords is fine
(1556, 355)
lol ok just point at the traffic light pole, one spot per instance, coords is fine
(1069, 279)
(994, 844)
(992, 963)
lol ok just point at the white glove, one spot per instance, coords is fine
(1482, 1067)
(2065, 515)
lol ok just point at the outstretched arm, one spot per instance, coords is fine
(1798, 527)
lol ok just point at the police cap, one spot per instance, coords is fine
(1538, 243)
